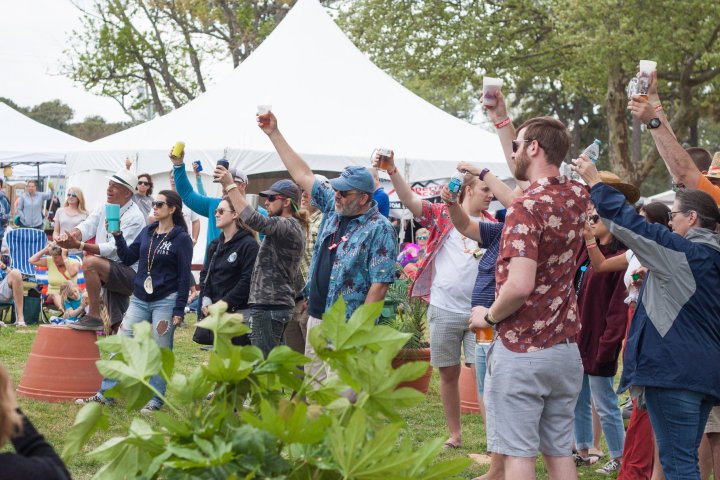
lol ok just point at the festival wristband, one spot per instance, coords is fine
(230, 187)
(503, 123)
(82, 246)
(392, 172)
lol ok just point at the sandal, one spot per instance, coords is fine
(450, 446)
(581, 461)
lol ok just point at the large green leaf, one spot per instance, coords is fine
(87, 421)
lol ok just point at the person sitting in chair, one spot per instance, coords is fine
(60, 269)
(11, 290)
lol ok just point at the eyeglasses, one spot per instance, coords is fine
(516, 144)
(594, 218)
(272, 198)
(72, 194)
(141, 182)
(671, 215)
(158, 204)
(221, 211)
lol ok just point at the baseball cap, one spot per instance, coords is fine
(239, 176)
(286, 188)
(354, 177)
(125, 178)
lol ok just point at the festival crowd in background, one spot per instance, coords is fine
(542, 304)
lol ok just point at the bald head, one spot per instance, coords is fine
(375, 175)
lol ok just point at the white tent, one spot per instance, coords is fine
(333, 105)
(667, 198)
(25, 141)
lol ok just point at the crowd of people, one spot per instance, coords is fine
(572, 280)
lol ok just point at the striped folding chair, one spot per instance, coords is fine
(23, 243)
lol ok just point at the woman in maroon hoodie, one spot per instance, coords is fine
(603, 316)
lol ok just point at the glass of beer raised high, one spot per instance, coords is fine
(383, 158)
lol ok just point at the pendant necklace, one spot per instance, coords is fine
(147, 284)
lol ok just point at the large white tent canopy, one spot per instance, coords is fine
(333, 105)
(25, 141)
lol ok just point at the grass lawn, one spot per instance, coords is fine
(55, 419)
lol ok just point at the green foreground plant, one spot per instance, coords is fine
(265, 419)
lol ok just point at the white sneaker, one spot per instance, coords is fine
(95, 398)
(610, 467)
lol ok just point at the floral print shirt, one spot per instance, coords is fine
(365, 255)
(545, 225)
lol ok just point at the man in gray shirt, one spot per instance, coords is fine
(272, 287)
(103, 269)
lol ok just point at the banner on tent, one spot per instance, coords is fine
(428, 190)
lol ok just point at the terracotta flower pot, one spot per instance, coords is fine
(415, 355)
(468, 391)
(61, 366)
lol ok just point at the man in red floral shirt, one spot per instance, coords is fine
(534, 367)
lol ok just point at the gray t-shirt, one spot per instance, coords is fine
(278, 260)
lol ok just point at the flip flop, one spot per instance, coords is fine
(450, 446)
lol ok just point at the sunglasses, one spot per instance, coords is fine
(272, 198)
(345, 193)
(221, 211)
(158, 204)
(71, 194)
(594, 218)
(516, 143)
(422, 237)
(147, 184)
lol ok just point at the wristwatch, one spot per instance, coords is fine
(654, 123)
(490, 319)
(483, 173)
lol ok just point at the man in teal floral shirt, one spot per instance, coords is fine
(354, 253)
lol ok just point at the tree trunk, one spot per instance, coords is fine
(636, 141)
(577, 116)
(618, 145)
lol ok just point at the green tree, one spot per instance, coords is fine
(95, 127)
(53, 113)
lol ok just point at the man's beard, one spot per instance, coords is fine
(522, 162)
(350, 209)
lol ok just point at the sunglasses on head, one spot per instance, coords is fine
(158, 204)
(72, 194)
(221, 211)
(594, 218)
(142, 182)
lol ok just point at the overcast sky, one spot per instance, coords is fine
(33, 34)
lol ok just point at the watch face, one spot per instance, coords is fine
(654, 123)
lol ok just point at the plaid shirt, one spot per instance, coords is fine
(366, 257)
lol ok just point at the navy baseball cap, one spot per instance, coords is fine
(286, 188)
(354, 178)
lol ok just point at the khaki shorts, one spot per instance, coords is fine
(713, 422)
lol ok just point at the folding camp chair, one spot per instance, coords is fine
(23, 243)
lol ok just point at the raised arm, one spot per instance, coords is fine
(499, 189)
(505, 131)
(38, 259)
(410, 199)
(618, 263)
(462, 222)
(299, 169)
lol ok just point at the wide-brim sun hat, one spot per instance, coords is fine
(631, 192)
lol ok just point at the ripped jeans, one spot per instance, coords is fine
(159, 313)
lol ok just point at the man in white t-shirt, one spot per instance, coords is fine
(445, 279)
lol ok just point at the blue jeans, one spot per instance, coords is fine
(159, 313)
(678, 418)
(601, 391)
(267, 327)
(481, 350)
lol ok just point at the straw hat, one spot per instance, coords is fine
(631, 192)
(714, 170)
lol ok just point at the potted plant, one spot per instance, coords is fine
(409, 315)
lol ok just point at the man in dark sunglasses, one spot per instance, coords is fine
(355, 250)
(272, 287)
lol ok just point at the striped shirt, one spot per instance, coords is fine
(483, 293)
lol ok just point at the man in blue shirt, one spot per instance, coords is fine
(4, 210)
(382, 198)
(202, 204)
(355, 250)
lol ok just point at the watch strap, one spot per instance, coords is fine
(483, 173)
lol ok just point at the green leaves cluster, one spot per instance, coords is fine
(266, 419)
